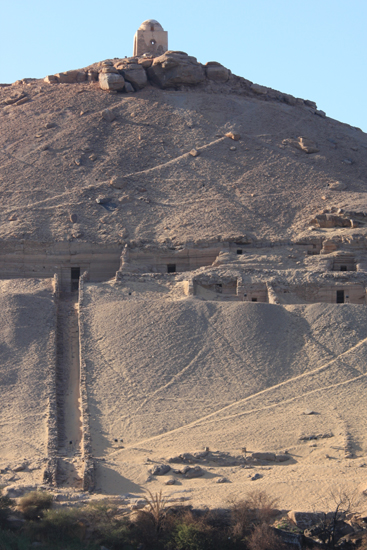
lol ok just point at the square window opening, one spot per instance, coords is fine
(171, 268)
(253, 299)
(239, 251)
(343, 268)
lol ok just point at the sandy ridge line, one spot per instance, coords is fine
(262, 392)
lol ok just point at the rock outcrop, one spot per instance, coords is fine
(174, 69)
(111, 81)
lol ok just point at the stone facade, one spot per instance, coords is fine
(150, 38)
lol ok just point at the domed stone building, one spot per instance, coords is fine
(150, 38)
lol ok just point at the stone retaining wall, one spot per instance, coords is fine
(89, 466)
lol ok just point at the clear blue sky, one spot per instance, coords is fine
(315, 49)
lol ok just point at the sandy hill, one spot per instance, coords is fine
(58, 155)
(185, 197)
(169, 375)
(27, 373)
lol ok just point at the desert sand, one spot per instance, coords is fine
(146, 369)
(27, 367)
(170, 375)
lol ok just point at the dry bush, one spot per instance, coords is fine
(255, 509)
(264, 537)
(33, 504)
(157, 509)
(341, 501)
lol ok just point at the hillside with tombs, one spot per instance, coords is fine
(183, 263)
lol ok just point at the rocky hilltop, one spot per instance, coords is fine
(170, 151)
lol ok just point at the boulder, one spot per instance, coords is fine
(215, 71)
(51, 79)
(92, 76)
(13, 99)
(260, 90)
(19, 467)
(194, 153)
(174, 69)
(330, 220)
(146, 63)
(159, 469)
(194, 472)
(108, 115)
(306, 145)
(170, 481)
(232, 135)
(269, 457)
(129, 88)
(111, 81)
(117, 182)
(68, 77)
(309, 103)
(109, 69)
(304, 520)
(282, 458)
(320, 113)
(136, 75)
(337, 186)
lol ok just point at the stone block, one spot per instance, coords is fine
(51, 79)
(136, 75)
(111, 81)
(215, 71)
(68, 77)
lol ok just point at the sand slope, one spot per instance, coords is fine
(27, 369)
(258, 185)
(174, 376)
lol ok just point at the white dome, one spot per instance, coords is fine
(150, 25)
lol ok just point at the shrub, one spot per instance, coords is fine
(33, 504)
(264, 537)
(75, 525)
(12, 541)
(57, 525)
(188, 537)
(255, 509)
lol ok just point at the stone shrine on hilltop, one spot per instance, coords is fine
(150, 38)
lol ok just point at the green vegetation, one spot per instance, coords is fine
(246, 525)
(33, 504)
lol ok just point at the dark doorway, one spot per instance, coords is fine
(253, 299)
(340, 296)
(239, 251)
(75, 274)
(343, 268)
(171, 268)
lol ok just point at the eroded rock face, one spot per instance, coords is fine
(330, 220)
(111, 81)
(215, 71)
(174, 69)
(69, 77)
